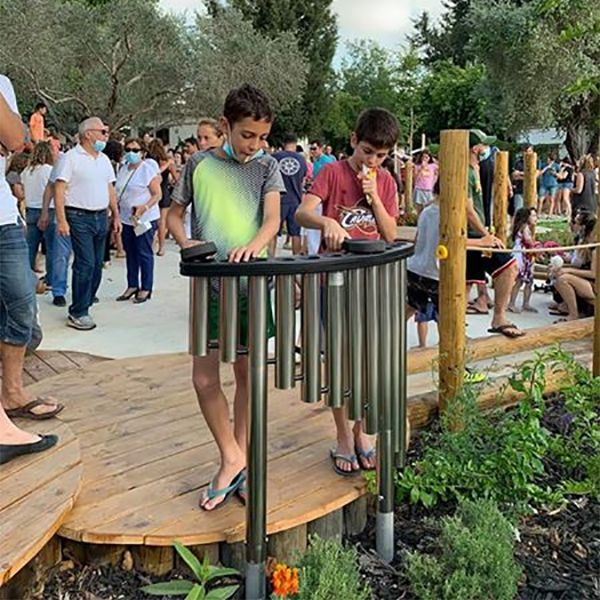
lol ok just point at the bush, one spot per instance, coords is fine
(328, 571)
(476, 560)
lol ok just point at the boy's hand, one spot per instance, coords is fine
(190, 243)
(334, 234)
(244, 253)
(369, 185)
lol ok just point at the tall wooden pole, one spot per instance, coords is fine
(408, 185)
(596, 362)
(501, 183)
(454, 163)
(530, 180)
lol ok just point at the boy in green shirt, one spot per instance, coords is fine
(234, 192)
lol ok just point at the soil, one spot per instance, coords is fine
(559, 551)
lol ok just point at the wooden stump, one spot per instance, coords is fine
(156, 560)
(234, 556)
(200, 551)
(288, 546)
(328, 527)
(355, 516)
(104, 554)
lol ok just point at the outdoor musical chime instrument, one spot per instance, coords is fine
(364, 355)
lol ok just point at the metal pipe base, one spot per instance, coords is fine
(384, 536)
(256, 583)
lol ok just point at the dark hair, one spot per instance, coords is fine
(114, 151)
(41, 155)
(290, 138)
(521, 217)
(299, 149)
(316, 142)
(192, 141)
(421, 154)
(378, 127)
(156, 151)
(247, 101)
(40, 105)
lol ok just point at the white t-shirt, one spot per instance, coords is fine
(87, 178)
(34, 182)
(132, 190)
(9, 213)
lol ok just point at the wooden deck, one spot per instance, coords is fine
(36, 494)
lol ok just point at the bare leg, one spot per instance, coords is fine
(213, 405)
(296, 244)
(512, 305)
(503, 286)
(365, 444)
(527, 291)
(567, 203)
(570, 287)
(162, 231)
(422, 331)
(272, 249)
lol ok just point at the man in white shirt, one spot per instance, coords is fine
(83, 192)
(17, 302)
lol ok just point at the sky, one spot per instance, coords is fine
(384, 21)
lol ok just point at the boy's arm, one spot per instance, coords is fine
(175, 225)
(386, 224)
(333, 233)
(267, 231)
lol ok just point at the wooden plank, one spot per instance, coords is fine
(288, 546)
(37, 368)
(57, 361)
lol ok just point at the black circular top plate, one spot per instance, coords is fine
(298, 265)
(200, 252)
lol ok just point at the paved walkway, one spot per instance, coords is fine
(160, 325)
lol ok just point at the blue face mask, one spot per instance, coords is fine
(99, 145)
(133, 158)
(485, 154)
(228, 149)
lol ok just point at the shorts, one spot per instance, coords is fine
(423, 294)
(213, 319)
(550, 191)
(429, 315)
(288, 215)
(568, 185)
(423, 197)
(494, 265)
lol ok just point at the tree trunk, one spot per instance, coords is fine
(583, 129)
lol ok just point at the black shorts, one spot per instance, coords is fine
(422, 291)
(288, 216)
(494, 265)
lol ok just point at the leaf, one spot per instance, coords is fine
(197, 593)
(222, 593)
(190, 559)
(215, 572)
(175, 587)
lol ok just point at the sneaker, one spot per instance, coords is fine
(95, 300)
(84, 323)
(59, 301)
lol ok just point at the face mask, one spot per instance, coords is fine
(485, 154)
(133, 158)
(228, 149)
(99, 145)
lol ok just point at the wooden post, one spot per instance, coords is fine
(454, 164)
(501, 182)
(530, 180)
(596, 354)
(408, 185)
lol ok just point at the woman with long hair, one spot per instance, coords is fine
(40, 225)
(425, 176)
(168, 178)
(584, 194)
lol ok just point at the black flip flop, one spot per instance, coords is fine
(26, 412)
(503, 329)
(10, 451)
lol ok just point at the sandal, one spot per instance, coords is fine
(226, 492)
(127, 295)
(242, 491)
(363, 455)
(26, 412)
(472, 309)
(506, 329)
(347, 458)
(10, 451)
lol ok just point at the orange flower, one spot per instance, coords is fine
(284, 581)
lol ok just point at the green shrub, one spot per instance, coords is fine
(329, 571)
(476, 561)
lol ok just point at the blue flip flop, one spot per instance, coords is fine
(365, 455)
(348, 458)
(243, 489)
(226, 492)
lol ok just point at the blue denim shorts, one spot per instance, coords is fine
(17, 287)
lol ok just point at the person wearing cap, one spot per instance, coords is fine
(502, 268)
(518, 177)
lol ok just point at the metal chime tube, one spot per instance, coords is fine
(402, 369)
(385, 451)
(370, 399)
(228, 319)
(198, 319)
(285, 331)
(256, 512)
(395, 355)
(311, 330)
(356, 310)
(334, 352)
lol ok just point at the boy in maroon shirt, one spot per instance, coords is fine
(360, 201)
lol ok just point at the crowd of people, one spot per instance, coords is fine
(228, 186)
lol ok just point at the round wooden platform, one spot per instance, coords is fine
(37, 492)
(147, 454)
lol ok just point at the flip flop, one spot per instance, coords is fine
(26, 412)
(226, 492)
(557, 313)
(474, 310)
(348, 458)
(504, 330)
(10, 451)
(242, 491)
(365, 455)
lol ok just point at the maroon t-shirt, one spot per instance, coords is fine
(340, 190)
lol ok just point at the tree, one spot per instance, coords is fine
(121, 60)
(315, 28)
(543, 59)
